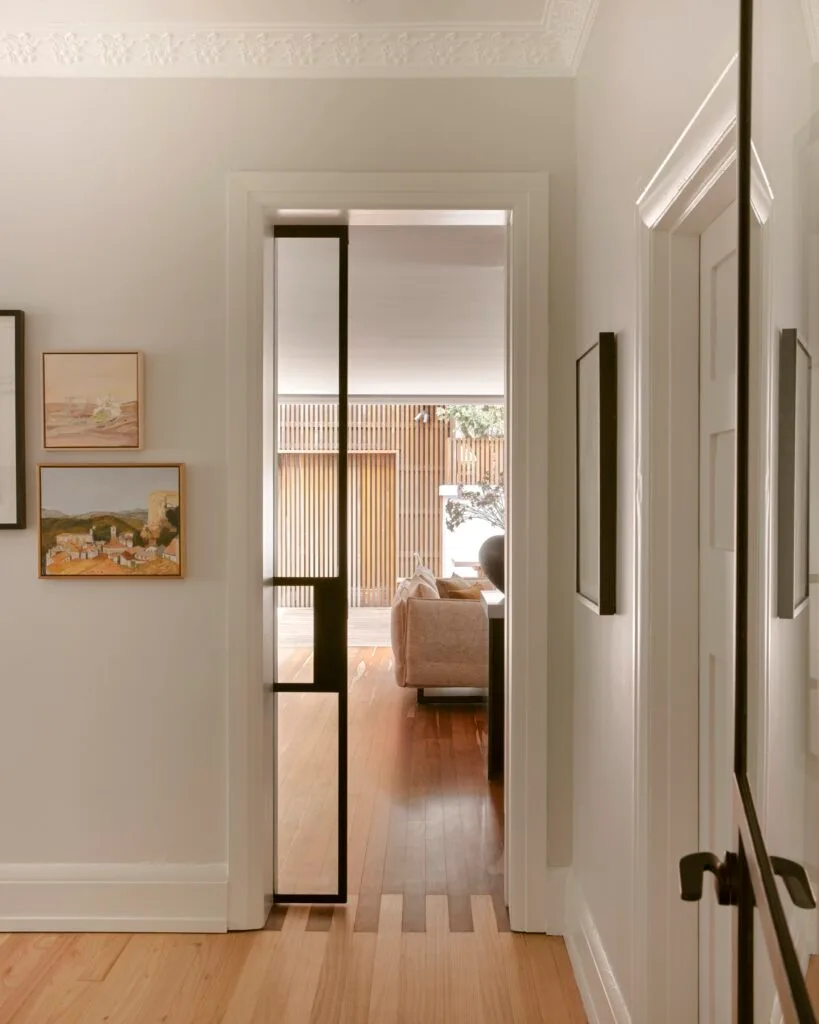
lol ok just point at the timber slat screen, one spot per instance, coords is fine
(396, 464)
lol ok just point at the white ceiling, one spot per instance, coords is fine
(427, 312)
(267, 38)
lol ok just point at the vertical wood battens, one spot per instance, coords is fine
(396, 465)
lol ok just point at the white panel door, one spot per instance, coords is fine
(718, 347)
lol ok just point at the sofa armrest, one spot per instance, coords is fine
(447, 643)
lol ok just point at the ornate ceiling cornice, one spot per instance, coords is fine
(270, 51)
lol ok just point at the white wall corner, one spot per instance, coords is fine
(113, 898)
(557, 882)
(811, 10)
(602, 999)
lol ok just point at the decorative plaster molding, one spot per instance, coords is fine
(226, 51)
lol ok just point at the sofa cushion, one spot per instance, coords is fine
(417, 586)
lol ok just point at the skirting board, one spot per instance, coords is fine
(113, 897)
(601, 995)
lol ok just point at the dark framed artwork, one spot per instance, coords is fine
(794, 475)
(596, 510)
(12, 421)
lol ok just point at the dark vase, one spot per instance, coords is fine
(491, 557)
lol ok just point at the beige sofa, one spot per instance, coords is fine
(438, 641)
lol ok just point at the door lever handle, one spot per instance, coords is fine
(796, 882)
(692, 872)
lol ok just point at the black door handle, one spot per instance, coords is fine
(726, 878)
(692, 871)
(796, 882)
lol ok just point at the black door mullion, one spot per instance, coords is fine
(329, 592)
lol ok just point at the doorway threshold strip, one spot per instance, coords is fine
(414, 914)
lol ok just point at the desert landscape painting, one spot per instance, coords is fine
(92, 400)
(98, 521)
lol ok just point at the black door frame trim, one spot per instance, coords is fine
(330, 593)
(756, 888)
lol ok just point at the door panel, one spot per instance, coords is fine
(718, 329)
(311, 570)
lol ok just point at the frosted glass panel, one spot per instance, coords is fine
(307, 726)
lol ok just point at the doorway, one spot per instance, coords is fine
(411, 791)
(255, 202)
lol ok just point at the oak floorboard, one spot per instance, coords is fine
(425, 936)
(812, 979)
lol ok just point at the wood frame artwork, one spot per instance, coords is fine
(596, 476)
(794, 475)
(92, 401)
(111, 520)
(12, 421)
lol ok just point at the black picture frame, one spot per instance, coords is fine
(596, 476)
(793, 484)
(12, 356)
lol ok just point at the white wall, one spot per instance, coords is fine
(112, 731)
(647, 68)
(645, 72)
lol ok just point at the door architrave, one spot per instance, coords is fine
(534, 891)
(695, 182)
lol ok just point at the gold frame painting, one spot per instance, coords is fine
(111, 521)
(92, 401)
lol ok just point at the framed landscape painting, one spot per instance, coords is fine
(12, 422)
(111, 521)
(92, 400)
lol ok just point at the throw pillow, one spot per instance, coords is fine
(459, 588)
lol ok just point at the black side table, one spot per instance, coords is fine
(495, 608)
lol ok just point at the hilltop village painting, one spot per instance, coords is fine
(98, 521)
(91, 400)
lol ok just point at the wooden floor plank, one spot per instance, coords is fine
(425, 938)
(320, 919)
(386, 987)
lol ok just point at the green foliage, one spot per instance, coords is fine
(101, 532)
(170, 528)
(475, 420)
(485, 502)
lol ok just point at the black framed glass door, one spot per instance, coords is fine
(769, 878)
(310, 558)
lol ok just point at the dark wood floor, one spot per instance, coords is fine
(423, 819)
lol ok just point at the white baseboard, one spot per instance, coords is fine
(113, 897)
(601, 995)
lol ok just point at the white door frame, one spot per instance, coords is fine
(535, 901)
(694, 183)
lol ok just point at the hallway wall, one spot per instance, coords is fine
(113, 213)
(644, 74)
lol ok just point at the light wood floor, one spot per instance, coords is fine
(424, 939)
(423, 818)
(293, 976)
